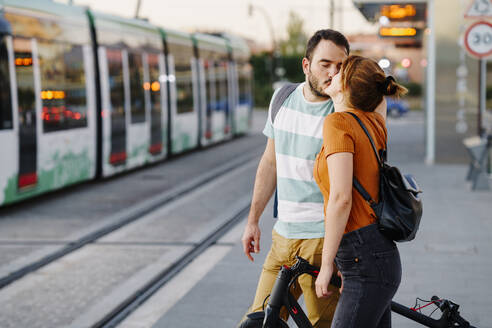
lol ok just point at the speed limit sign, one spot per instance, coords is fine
(478, 39)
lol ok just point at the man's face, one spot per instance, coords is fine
(325, 63)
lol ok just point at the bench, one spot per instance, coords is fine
(478, 149)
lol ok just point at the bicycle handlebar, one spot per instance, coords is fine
(442, 305)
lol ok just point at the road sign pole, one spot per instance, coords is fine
(431, 87)
(482, 94)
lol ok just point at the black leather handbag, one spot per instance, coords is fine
(399, 209)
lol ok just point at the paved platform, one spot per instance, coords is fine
(449, 258)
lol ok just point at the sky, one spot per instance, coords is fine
(233, 15)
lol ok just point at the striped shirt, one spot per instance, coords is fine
(298, 135)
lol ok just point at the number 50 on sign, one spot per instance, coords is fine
(478, 39)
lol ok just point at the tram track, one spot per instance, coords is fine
(135, 300)
(128, 216)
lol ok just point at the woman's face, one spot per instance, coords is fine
(335, 86)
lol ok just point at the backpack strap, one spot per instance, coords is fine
(369, 136)
(280, 97)
(362, 191)
(356, 183)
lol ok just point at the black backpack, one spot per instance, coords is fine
(399, 209)
(277, 103)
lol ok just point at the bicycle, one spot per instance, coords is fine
(281, 296)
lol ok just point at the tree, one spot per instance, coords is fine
(296, 37)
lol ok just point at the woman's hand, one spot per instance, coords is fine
(341, 279)
(323, 281)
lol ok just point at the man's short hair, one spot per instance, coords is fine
(327, 34)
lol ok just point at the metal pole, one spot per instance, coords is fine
(272, 34)
(137, 10)
(340, 16)
(270, 27)
(431, 87)
(482, 66)
(332, 13)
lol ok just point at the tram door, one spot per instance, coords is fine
(27, 176)
(118, 118)
(8, 132)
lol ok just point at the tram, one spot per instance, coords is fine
(86, 95)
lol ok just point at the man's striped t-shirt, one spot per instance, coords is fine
(298, 134)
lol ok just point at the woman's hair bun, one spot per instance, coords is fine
(389, 87)
(366, 83)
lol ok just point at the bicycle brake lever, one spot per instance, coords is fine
(442, 304)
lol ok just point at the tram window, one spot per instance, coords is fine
(221, 86)
(5, 100)
(218, 82)
(25, 83)
(183, 55)
(63, 91)
(154, 84)
(208, 86)
(210, 97)
(75, 92)
(155, 99)
(137, 93)
(117, 108)
(117, 90)
(184, 88)
(243, 90)
(244, 72)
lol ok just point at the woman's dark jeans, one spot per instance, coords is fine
(371, 269)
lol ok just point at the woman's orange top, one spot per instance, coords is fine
(343, 134)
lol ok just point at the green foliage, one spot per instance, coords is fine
(289, 57)
(293, 67)
(489, 92)
(296, 37)
(264, 74)
(263, 78)
(262, 96)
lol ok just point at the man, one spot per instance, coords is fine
(294, 139)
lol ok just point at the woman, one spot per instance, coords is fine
(369, 263)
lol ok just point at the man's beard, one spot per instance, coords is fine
(315, 87)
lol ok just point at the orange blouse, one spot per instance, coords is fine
(342, 133)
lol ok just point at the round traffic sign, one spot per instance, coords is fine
(478, 39)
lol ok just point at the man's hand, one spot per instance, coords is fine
(323, 281)
(251, 240)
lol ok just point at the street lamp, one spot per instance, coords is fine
(274, 53)
(269, 23)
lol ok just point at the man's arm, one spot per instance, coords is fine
(265, 183)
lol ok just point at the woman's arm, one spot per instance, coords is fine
(340, 171)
